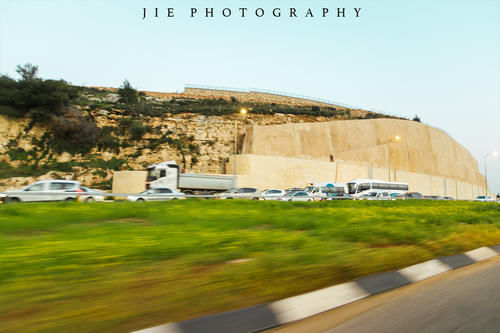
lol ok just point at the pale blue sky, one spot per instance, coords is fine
(437, 59)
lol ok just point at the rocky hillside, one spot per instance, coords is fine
(98, 134)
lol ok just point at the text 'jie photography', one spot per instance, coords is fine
(291, 13)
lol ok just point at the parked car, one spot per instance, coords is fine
(375, 195)
(448, 198)
(297, 196)
(339, 196)
(46, 190)
(90, 195)
(484, 198)
(433, 197)
(272, 194)
(408, 195)
(294, 189)
(157, 194)
(2, 198)
(240, 193)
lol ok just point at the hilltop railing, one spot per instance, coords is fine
(292, 95)
(309, 98)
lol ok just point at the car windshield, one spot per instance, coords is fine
(351, 188)
(373, 194)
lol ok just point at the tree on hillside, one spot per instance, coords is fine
(416, 118)
(128, 95)
(28, 71)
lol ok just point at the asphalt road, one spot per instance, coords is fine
(464, 300)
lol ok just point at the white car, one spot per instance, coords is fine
(273, 194)
(2, 198)
(297, 196)
(239, 193)
(89, 194)
(376, 196)
(157, 194)
(46, 190)
(484, 198)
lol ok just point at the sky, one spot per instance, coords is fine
(439, 60)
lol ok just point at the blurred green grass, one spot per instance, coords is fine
(125, 266)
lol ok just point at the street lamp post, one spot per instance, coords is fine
(494, 153)
(243, 111)
(395, 139)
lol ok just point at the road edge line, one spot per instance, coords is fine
(264, 316)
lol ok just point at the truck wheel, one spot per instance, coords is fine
(140, 200)
(69, 199)
(13, 200)
(90, 199)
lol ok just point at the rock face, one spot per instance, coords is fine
(419, 149)
(212, 136)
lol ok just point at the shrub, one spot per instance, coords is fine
(18, 154)
(128, 95)
(137, 130)
(194, 160)
(108, 142)
(73, 134)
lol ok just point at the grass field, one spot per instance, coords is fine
(115, 267)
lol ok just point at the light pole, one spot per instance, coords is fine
(395, 139)
(243, 111)
(494, 153)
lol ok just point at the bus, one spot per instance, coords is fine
(325, 189)
(358, 187)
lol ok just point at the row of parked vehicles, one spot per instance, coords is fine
(360, 189)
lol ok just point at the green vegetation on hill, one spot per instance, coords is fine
(119, 267)
(34, 97)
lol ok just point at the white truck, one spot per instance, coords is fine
(168, 174)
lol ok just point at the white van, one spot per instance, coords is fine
(46, 190)
(325, 189)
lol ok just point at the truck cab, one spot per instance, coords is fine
(164, 174)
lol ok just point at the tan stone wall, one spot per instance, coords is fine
(129, 181)
(422, 149)
(264, 171)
